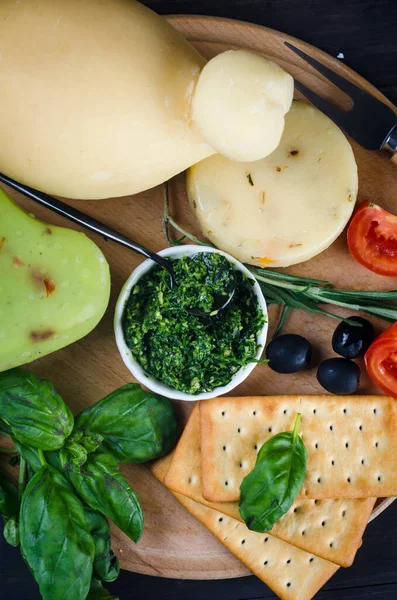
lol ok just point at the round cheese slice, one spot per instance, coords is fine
(285, 208)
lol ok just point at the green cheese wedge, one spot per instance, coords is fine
(54, 286)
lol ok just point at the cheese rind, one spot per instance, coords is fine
(286, 208)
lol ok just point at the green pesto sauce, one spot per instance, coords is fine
(189, 353)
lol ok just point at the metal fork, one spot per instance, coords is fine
(369, 122)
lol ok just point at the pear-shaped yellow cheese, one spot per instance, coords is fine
(54, 286)
(95, 97)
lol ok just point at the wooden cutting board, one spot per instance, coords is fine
(174, 543)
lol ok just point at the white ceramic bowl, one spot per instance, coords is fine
(151, 382)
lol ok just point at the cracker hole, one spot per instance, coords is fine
(243, 541)
(254, 413)
(375, 411)
(226, 483)
(376, 444)
(256, 447)
(323, 524)
(348, 480)
(295, 510)
(270, 429)
(314, 411)
(303, 532)
(284, 411)
(347, 445)
(333, 463)
(289, 584)
(362, 461)
(241, 465)
(266, 562)
(319, 480)
(311, 560)
(360, 427)
(224, 447)
(266, 539)
(239, 430)
(331, 545)
(220, 519)
(288, 561)
(316, 446)
(223, 413)
(190, 480)
(379, 478)
(344, 513)
(331, 428)
(345, 410)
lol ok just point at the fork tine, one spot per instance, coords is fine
(338, 116)
(351, 89)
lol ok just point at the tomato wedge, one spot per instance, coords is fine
(381, 361)
(372, 239)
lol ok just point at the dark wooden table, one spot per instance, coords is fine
(365, 31)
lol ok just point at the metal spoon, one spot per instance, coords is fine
(108, 233)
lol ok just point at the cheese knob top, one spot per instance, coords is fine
(239, 104)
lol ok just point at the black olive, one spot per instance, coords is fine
(288, 353)
(350, 341)
(339, 376)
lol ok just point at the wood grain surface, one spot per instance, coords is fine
(174, 544)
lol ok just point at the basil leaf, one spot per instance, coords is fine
(106, 564)
(55, 540)
(11, 532)
(137, 426)
(270, 489)
(35, 412)
(101, 485)
(98, 592)
(30, 455)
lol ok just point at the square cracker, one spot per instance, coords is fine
(351, 443)
(291, 573)
(184, 473)
(331, 529)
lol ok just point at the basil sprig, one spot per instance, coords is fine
(70, 481)
(270, 489)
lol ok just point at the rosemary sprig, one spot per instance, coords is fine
(300, 293)
(282, 319)
(167, 220)
(293, 291)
